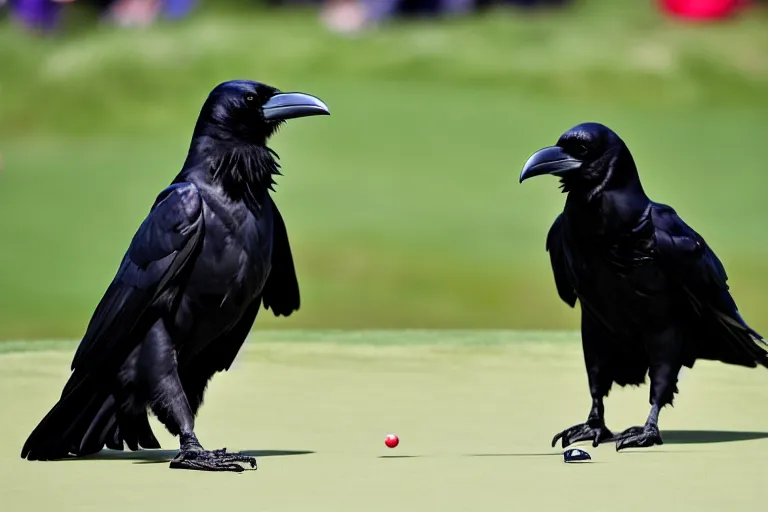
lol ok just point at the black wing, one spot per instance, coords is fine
(558, 255)
(157, 257)
(688, 258)
(281, 291)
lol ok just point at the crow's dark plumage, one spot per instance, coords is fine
(653, 295)
(211, 251)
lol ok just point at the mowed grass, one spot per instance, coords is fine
(475, 412)
(403, 207)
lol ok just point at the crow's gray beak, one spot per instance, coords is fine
(289, 105)
(551, 160)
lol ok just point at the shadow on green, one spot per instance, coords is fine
(709, 436)
(153, 456)
(514, 455)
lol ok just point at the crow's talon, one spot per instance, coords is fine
(583, 432)
(639, 437)
(631, 431)
(216, 460)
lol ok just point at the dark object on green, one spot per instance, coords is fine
(211, 251)
(575, 455)
(653, 294)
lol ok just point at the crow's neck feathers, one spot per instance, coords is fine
(244, 171)
(244, 167)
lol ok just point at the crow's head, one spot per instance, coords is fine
(250, 112)
(589, 157)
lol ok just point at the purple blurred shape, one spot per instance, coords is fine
(175, 9)
(36, 14)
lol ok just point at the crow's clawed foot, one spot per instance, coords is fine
(595, 432)
(217, 460)
(639, 437)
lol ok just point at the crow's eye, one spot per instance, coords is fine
(581, 150)
(250, 98)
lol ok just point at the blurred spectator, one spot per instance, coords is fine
(133, 12)
(703, 9)
(353, 15)
(44, 15)
(144, 12)
(37, 15)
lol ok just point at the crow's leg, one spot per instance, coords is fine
(593, 430)
(666, 351)
(158, 371)
(597, 362)
(642, 437)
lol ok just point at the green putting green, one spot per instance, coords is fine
(475, 412)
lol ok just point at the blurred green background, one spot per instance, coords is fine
(403, 207)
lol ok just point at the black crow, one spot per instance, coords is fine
(653, 295)
(211, 251)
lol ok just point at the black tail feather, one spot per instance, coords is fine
(83, 421)
(146, 437)
(61, 431)
(135, 431)
(113, 440)
(735, 342)
(94, 438)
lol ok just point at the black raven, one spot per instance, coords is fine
(653, 295)
(211, 251)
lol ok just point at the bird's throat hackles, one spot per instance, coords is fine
(245, 171)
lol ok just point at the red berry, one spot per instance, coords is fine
(392, 440)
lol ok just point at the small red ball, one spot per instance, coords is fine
(392, 440)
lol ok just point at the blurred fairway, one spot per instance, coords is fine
(475, 412)
(403, 207)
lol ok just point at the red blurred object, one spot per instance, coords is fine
(392, 440)
(703, 9)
